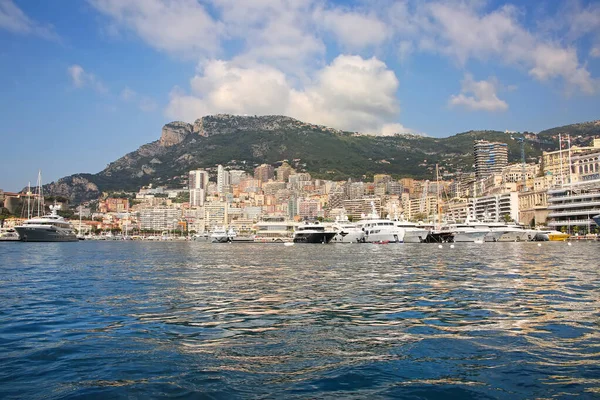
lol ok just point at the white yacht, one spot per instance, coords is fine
(8, 235)
(511, 232)
(466, 232)
(346, 231)
(313, 233)
(414, 232)
(221, 235)
(47, 228)
(378, 230)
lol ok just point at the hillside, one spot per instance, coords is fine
(242, 142)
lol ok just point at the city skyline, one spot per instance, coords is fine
(92, 81)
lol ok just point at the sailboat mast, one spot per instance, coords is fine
(39, 192)
(437, 189)
(28, 200)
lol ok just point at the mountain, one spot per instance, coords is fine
(243, 142)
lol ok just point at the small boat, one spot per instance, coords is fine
(8, 235)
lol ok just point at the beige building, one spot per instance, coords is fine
(533, 206)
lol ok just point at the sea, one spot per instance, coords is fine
(194, 320)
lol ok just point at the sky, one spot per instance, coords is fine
(85, 82)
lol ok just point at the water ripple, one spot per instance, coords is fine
(112, 319)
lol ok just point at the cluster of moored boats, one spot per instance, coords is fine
(374, 229)
(370, 229)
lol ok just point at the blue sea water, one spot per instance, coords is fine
(236, 321)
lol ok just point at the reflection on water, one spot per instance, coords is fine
(119, 319)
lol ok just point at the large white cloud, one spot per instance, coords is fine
(478, 95)
(351, 93)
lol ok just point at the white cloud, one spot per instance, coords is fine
(478, 95)
(80, 79)
(464, 31)
(14, 20)
(182, 27)
(350, 93)
(595, 52)
(352, 29)
(128, 94)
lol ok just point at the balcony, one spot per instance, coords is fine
(575, 205)
(590, 213)
(578, 222)
(574, 197)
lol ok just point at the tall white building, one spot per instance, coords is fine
(222, 180)
(197, 184)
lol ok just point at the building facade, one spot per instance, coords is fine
(490, 157)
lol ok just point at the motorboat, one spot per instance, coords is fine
(222, 235)
(552, 235)
(8, 235)
(346, 231)
(377, 229)
(414, 232)
(313, 233)
(47, 228)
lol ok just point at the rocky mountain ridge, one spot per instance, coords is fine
(246, 141)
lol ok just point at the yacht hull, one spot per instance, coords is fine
(348, 237)
(473, 236)
(45, 235)
(415, 236)
(313, 237)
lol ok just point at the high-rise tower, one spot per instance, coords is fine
(490, 157)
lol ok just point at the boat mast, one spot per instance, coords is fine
(39, 192)
(80, 219)
(28, 200)
(437, 189)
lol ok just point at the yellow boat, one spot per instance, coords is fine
(556, 236)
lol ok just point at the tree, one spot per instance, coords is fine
(506, 218)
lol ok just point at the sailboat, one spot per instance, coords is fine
(80, 235)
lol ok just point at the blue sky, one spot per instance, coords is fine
(84, 82)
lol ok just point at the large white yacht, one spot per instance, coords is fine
(221, 235)
(346, 231)
(414, 232)
(510, 232)
(379, 230)
(47, 228)
(466, 232)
